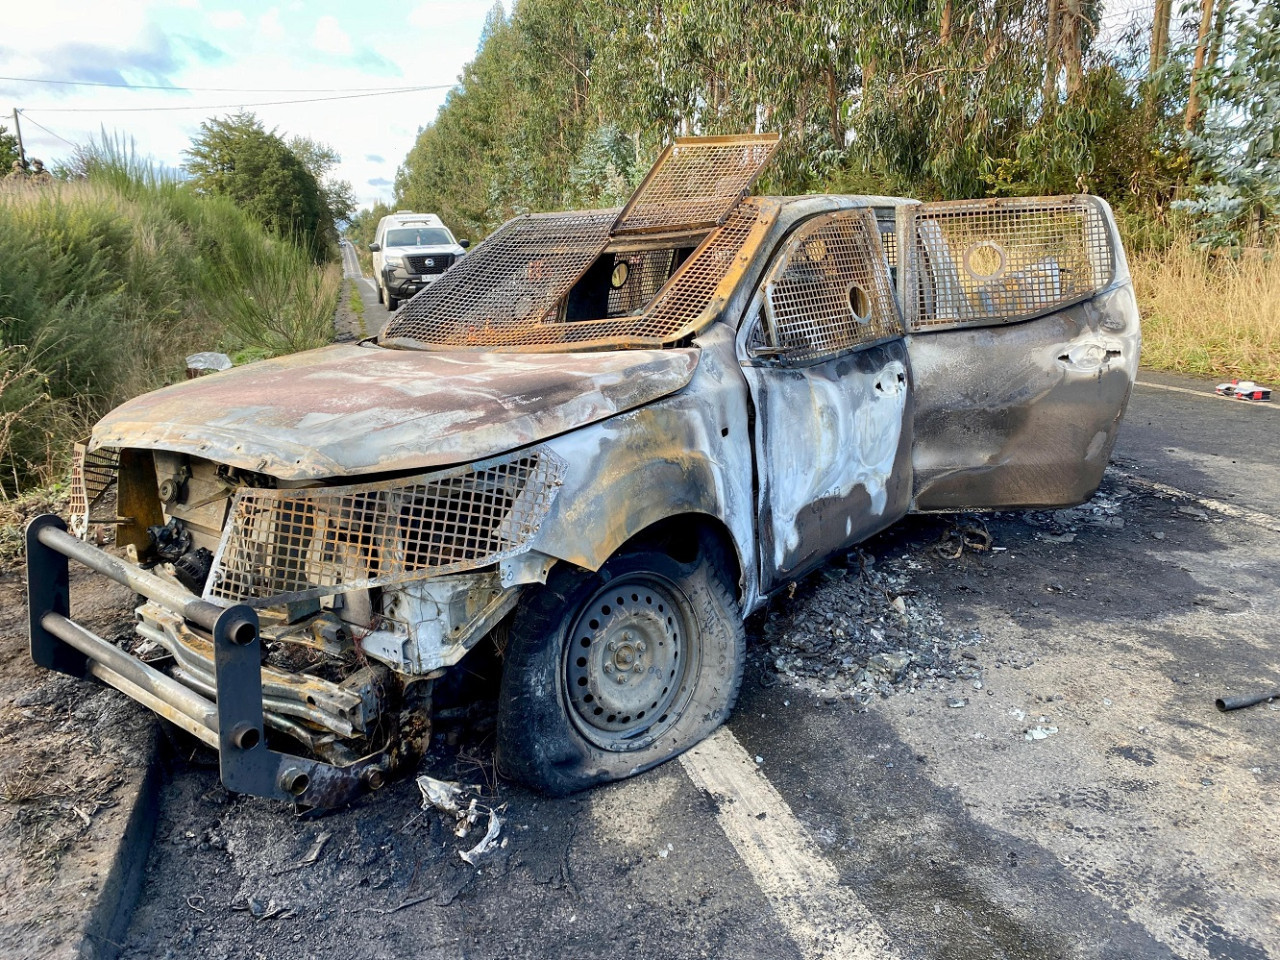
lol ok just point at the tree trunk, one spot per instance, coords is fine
(1160, 34)
(1202, 46)
(944, 31)
(833, 104)
(1051, 44)
(1219, 30)
(1073, 52)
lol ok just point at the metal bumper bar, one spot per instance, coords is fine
(233, 724)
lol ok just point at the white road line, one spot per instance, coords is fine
(1205, 395)
(1258, 519)
(824, 918)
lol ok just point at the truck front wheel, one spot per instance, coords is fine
(611, 673)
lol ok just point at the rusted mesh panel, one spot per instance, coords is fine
(92, 474)
(832, 292)
(680, 309)
(696, 182)
(979, 262)
(512, 280)
(646, 272)
(292, 544)
(889, 243)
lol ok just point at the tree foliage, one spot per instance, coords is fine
(320, 159)
(8, 149)
(565, 103)
(237, 157)
(1237, 151)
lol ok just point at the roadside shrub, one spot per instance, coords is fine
(1210, 313)
(108, 281)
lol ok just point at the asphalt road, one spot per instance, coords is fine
(375, 313)
(929, 824)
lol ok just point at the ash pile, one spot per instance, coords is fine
(859, 630)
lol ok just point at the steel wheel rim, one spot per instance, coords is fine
(639, 628)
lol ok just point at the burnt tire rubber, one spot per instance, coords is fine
(566, 721)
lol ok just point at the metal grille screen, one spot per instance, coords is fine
(696, 182)
(282, 545)
(494, 295)
(647, 271)
(681, 307)
(889, 242)
(92, 474)
(832, 292)
(980, 262)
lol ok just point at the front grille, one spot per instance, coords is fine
(284, 545)
(435, 263)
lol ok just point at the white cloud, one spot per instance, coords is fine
(330, 37)
(434, 14)
(226, 19)
(77, 21)
(269, 24)
(279, 46)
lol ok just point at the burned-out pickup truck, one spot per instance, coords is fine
(597, 443)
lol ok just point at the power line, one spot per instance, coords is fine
(236, 106)
(145, 86)
(48, 131)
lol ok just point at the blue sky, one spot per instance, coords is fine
(242, 54)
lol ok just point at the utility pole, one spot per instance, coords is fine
(17, 132)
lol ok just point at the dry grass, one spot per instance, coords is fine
(1209, 314)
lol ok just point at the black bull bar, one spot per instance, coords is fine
(233, 724)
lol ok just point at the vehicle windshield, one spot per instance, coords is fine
(418, 237)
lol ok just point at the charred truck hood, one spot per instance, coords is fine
(349, 410)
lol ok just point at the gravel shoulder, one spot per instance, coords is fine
(77, 789)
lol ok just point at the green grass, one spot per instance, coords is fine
(108, 283)
(356, 303)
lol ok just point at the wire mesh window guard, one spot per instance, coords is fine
(696, 183)
(831, 290)
(982, 262)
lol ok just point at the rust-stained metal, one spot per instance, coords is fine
(286, 545)
(696, 182)
(137, 507)
(319, 702)
(979, 262)
(347, 411)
